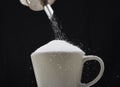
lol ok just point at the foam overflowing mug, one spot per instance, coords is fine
(60, 64)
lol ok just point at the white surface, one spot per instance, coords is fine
(58, 46)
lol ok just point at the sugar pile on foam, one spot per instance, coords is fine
(58, 46)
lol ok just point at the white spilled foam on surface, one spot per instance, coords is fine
(58, 46)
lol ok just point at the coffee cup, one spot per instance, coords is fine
(60, 64)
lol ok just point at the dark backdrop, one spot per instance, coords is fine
(92, 25)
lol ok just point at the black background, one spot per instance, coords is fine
(92, 25)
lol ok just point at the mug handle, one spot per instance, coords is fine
(88, 58)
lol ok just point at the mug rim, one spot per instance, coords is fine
(58, 52)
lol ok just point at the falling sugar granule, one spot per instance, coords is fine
(59, 35)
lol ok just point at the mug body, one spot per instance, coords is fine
(57, 69)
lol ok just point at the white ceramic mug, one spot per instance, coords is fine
(62, 69)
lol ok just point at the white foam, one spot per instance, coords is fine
(58, 46)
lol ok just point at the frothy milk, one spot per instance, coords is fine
(58, 46)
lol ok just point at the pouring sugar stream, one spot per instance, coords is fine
(39, 5)
(59, 63)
